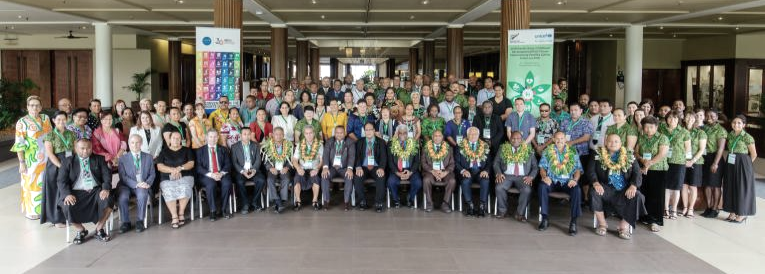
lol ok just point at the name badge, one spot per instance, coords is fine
(647, 156)
(371, 161)
(247, 166)
(669, 153)
(405, 164)
(732, 159)
(486, 133)
(183, 143)
(68, 154)
(410, 134)
(279, 165)
(459, 139)
(568, 137)
(437, 165)
(612, 172)
(565, 176)
(597, 157)
(596, 135)
(386, 138)
(540, 140)
(308, 165)
(338, 161)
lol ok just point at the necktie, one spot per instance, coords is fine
(516, 170)
(600, 122)
(137, 161)
(214, 160)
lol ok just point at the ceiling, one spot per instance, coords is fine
(387, 27)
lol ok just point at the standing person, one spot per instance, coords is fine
(219, 116)
(332, 119)
(473, 165)
(198, 127)
(491, 127)
(456, 130)
(108, 142)
(559, 113)
(637, 117)
(403, 164)
(577, 132)
(308, 120)
(521, 120)
(563, 93)
(95, 110)
(127, 121)
(249, 110)
(338, 159)
(188, 113)
(245, 157)
(437, 166)
(174, 124)
(412, 122)
(515, 166)
(418, 109)
(739, 192)
(693, 166)
(432, 122)
(651, 153)
(307, 161)
(151, 138)
(357, 121)
(275, 103)
(502, 106)
(66, 106)
(136, 173)
(712, 180)
(546, 127)
(29, 147)
(560, 170)
(160, 117)
(446, 108)
(677, 156)
(626, 132)
(487, 92)
(371, 162)
(230, 132)
(386, 125)
(261, 128)
(321, 107)
(286, 121)
(393, 104)
(212, 167)
(79, 125)
(59, 146)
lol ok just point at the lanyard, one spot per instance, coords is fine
(334, 119)
(459, 128)
(338, 147)
(385, 126)
(570, 126)
(284, 119)
(63, 140)
(39, 127)
(735, 141)
(180, 129)
(487, 122)
(137, 162)
(600, 123)
(451, 109)
(363, 120)
(246, 148)
(520, 120)
(672, 135)
(370, 146)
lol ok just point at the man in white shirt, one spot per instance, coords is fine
(447, 106)
(487, 92)
(600, 122)
(358, 90)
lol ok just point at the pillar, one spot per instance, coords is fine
(413, 65)
(390, 66)
(428, 56)
(633, 73)
(454, 56)
(516, 14)
(228, 14)
(315, 66)
(259, 67)
(279, 53)
(174, 76)
(103, 64)
(302, 59)
(333, 67)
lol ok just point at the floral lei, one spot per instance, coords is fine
(436, 156)
(558, 167)
(479, 154)
(623, 163)
(520, 156)
(314, 150)
(269, 149)
(405, 152)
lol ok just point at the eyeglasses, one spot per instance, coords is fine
(544, 110)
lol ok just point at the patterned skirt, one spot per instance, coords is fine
(177, 189)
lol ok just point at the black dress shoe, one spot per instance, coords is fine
(543, 225)
(347, 206)
(572, 229)
(706, 212)
(139, 227)
(397, 204)
(213, 216)
(245, 210)
(363, 206)
(125, 227)
(379, 208)
(482, 210)
(470, 210)
(101, 236)
(256, 207)
(409, 203)
(316, 206)
(325, 207)
(227, 216)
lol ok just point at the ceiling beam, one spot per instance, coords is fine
(260, 11)
(471, 15)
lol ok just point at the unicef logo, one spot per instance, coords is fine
(206, 41)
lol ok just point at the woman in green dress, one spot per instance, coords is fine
(59, 145)
(679, 152)
(28, 146)
(714, 164)
(419, 109)
(432, 123)
(738, 189)
(627, 133)
(694, 166)
(651, 153)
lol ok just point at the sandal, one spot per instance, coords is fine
(654, 228)
(624, 234)
(666, 214)
(673, 215)
(80, 237)
(102, 236)
(601, 230)
(297, 206)
(181, 220)
(174, 224)
(690, 215)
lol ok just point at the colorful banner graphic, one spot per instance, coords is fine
(219, 68)
(529, 66)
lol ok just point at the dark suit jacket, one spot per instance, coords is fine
(333, 95)
(530, 168)
(237, 156)
(496, 126)
(427, 162)
(596, 173)
(70, 170)
(380, 152)
(348, 153)
(414, 160)
(126, 170)
(203, 160)
(462, 162)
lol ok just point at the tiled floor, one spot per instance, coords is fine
(400, 241)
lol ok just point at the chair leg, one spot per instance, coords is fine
(159, 208)
(353, 196)
(192, 205)
(146, 214)
(109, 224)
(540, 213)
(268, 198)
(594, 221)
(233, 195)
(201, 209)
(453, 201)
(460, 191)
(415, 200)
(68, 232)
(387, 194)
(526, 213)
(495, 205)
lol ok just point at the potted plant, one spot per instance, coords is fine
(13, 95)
(141, 81)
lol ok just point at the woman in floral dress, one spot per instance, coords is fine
(29, 148)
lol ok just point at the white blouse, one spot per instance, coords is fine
(287, 124)
(155, 146)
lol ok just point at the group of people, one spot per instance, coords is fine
(631, 163)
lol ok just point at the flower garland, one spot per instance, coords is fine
(269, 149)
(479, 154)
(558, 167)
(436, 156)
(405, 152)
(622, 164)
(314, 150)
(520, 156)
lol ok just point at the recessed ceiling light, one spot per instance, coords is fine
(314, 2)
(611, 35)
(179, 1)
(258, 12)
(322, 16)
(83, 27)
(674, 35)
(561, 2)
(661, 27)
(20, 16)
(720, 18)
(738, 28)
(411, 17)
(425, 2)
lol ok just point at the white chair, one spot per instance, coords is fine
(476, 186)
(161, 199)
(403, 182)
(149, 207)
(425, 197)
(341, 180)
(556, 195)
(512, 190)
(199, 198)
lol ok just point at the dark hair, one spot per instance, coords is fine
(674, 113)
(308, 108)
(740, 117)
(619, 109)
(78, 110)
(94, 100)
(60, 113)
(561, 80)
(632, 103)
(105, 113)
(250, 96)
(543, 104)
(303, 94)
(500, 85)
(518, 98)
(607, 101)
(649, 120)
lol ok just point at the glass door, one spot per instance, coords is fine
(754, 98)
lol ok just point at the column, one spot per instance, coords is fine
(228, 14)
(413, 65)
(428, 57)
(302, 59)
(333, 67)
(315, 66)
(633, 72)
(103, 64)
(259, 67)
(390, 65)
(516, 14)
(454, 56)
(174, 76)
(279, 53)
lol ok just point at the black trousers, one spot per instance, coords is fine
(358, 184)
(259, 181)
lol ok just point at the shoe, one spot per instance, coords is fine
(139, 227)
(101, 236)
(712, 213)
(316, 206)
(245, 210)
(363, 206)
(409, 203)
(501, 215)
(471, 210)
(125, 227)
(80, 237)
(482, 210)
(445, 207)
(325, 207)
(213, 216)
(379, 209)
(572, 229)
(347, 206)
(256, 207)
(227, 216)
(397, 204)
(743, 220)
(181, 220)
(297, 206)
(520, 218)
(543, 225)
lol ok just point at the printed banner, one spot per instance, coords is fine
(219, 68)
(529, 66)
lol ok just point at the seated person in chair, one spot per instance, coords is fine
(175, 164)
(371, 160)
(276, 158)
(213, 166)
(245, 156)
(560, 170)
(338, 159)
(473, 167)
(307, 160)
(136, 173)
(438, 168)
(515, 166)
(404, 164)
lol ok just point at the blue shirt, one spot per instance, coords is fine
(248, 116)
(560, 117)
(356, 124)
(452, 130)
(577, 130)
(560, 178)
(527, 122)
(616, 179)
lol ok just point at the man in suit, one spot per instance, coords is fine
(371, 161)
(515, 166)
(339, 159)
(441, 172)
(335, 93)
(85, 183)
(213, 165)
(245, 156)
(490, 126)
(474, 167)
(404, 165)
(136, 173)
